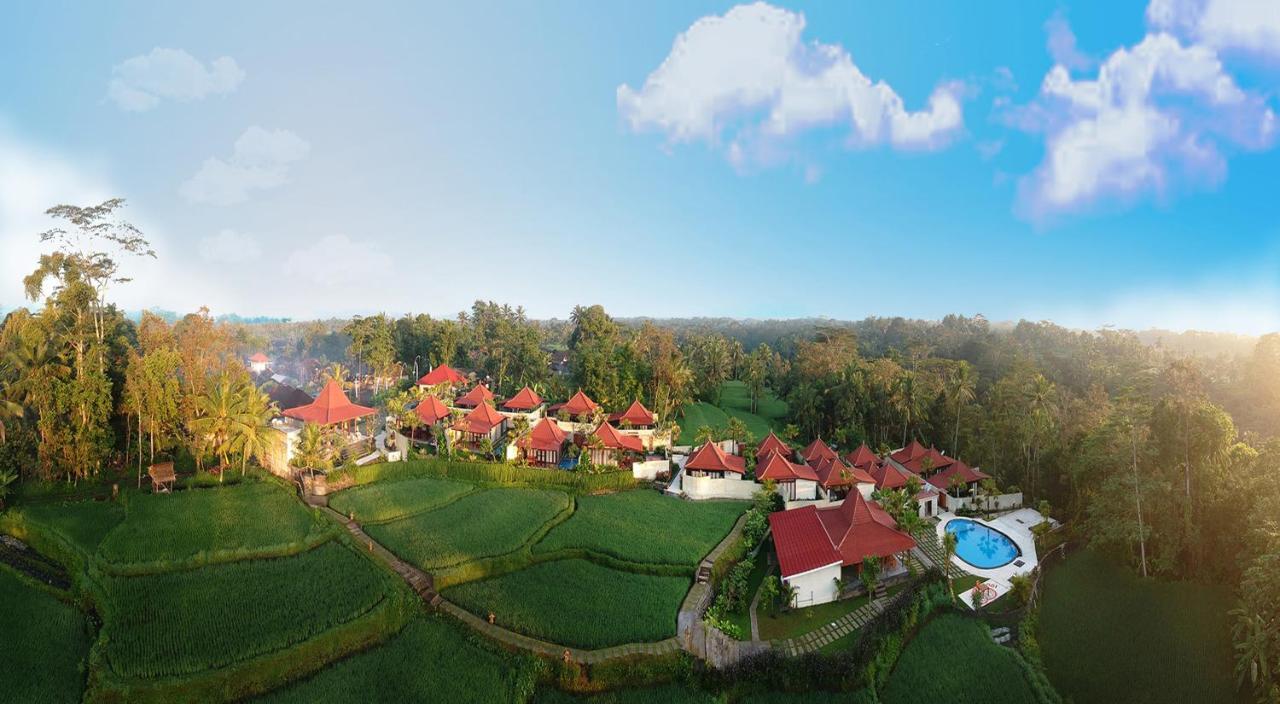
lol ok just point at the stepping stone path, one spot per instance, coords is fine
(833, 631)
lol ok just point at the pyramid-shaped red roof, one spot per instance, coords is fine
(779, 469)
(259, 357)
(931, 460)
(710, 458)
(860, 528)
(888, 477)
(834, 473)
(443, 374)
(579, 404)
(524, 400)
(475, 397)
(331, 406)
(818, 450)
(771, 443)
(614, 440)
(913, 450)
(862, 457)
(481, 420)
(431, 410)
(636, 414)
(546, 435)
(967, 474)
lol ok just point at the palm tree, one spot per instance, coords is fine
(252, 429)
(314, 450)
(704, 435)
(960, 390)
(908, 400)
(949, 549)
(217, 410)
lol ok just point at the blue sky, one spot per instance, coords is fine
(1091, 163)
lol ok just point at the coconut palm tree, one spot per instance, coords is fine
(909, 401)
(252, 429)
(314, 451)
(960, 389)
(217, 410)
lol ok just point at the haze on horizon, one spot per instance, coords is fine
(1088, 165)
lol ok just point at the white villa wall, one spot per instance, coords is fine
(999, 502)
(866, 489)
(815, 586)
(928, 507)
(649, 469)
(731, 487)
(806, 489)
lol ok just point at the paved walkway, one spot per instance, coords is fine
(833, 631)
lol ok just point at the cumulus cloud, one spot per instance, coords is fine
(1155, 115)
(748, 78)
(1062, 44)
(260, 161)
(229, 247)
(338, 261)
(1244, 25)
(140, 83)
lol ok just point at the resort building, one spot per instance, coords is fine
(258, 362)
(443, 379)
(608, 446)
(483, 422)
(712, 462)
(577, 414)
(525, 402)
(795, 482)
(476, 397)
(772, 443)
(331, 408)
(818, 450)
(543, 445)
(818, 546)
(958, 485)
(640, 422)
(836, 479)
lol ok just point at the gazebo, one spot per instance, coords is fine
(579, 406)
(475, 397)
(636, 416)
(524, 401)
(331, 407)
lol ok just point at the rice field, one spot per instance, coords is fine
(430, 660)
(83, 523)
(578, 603)
(481, 524)
(183, 525)
(953, 659)
(645, 526)
(735, 402)
(387, 501)
(179, 623)
(671, 693)
(43, 642)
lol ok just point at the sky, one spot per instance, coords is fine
(1090, 163)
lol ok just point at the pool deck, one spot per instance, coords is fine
(1017, 526)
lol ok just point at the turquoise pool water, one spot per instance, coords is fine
(982, 546)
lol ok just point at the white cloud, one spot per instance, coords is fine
(337, 261)
(229, 247)
(748, 76)
(140, 83)
(1156, 115)
(260, 161)
(1246, 25)
(1062, 44)
(1239, 303)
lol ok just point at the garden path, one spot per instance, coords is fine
(833, 631)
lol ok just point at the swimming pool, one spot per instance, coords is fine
(982, 546)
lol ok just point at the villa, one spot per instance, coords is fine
(443, 378)
(544, 443)
(575, 413)
(818, 546)
(818, 450)
(476, 397)
(258, 363)
(609, 446)
(794, 481)
(525, 402)
(712, 462)
(640, 422)
(331, 408)
(771, 443)
(836, 479)
(484, 422)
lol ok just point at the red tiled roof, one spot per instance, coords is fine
(931, 458)
(801, 541)
(817, 450)
(480, 421)
(524, 400)
(779, 469)
(833, 473)
(772, 443)
(913, 450)
(614, 440)
(331, 406)
(860, 528)
(546, 435)
(862, 457)
(636, 414)
(431, 410)
(579, 404)
(443, 374)
(710, 458)
(968, 474)
(888, 477)
(475, 397)
(259, 357)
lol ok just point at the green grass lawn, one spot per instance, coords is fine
(675, 694)
(645, 526)
(42, 644)
(1108, 635)
(386, 501)
(244, 518)
(578, 603)
(84, 523)
(428, 661)
(953, 659)
(179, 623)
(481, 524)
(734, 402)
(797, 622)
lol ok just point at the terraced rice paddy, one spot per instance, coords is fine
(482, 524)
(178, 623)
(43, 642)
(953, 659)
(578, 603)
(388, 501)
(626, 526)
